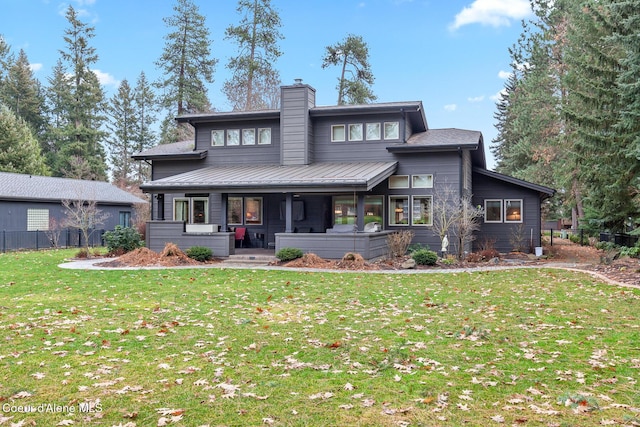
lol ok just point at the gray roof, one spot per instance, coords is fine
(180, 149)
(317, 177)
(15, 186)
(544, 191)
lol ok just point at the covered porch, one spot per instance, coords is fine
(276, 206)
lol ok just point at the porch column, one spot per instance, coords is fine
(288, 228)
(224, 197)
(360, 212)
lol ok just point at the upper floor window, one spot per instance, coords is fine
(264, 136)
(248, 136)
(391, 130)
(422, 181)
(233, 137)
(355, 132)
(373, 131)
(217, 137)
(337, 133)
(399, 181)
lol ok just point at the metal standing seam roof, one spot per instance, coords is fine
(315, 177)
(15, 186)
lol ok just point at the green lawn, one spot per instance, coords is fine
(243, 347)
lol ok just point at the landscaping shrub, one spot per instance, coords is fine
(200, 253)
(425, 257)
(122, 240)
(289, 254)
(399, 242)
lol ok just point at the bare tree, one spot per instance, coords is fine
(84, 215)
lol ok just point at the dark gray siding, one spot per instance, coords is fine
(13, 214)
(296, 129)
(504, 234)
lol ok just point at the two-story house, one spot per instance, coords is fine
(325, 179)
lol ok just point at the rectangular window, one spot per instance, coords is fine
(264, 136)
(493, 211)
(233, 137)
(244, 210)
(355, 132)
(337, 133)
(124, 219)
(513, 210)
(373, 209)
(248, 136)
(181, 210)
(399, 181)
(399, 210)
(422, 210)
(37, 219)
(217, 138)
(391, 130)
(192, 210)
(422, 181)
(373, 131)
(344, 210)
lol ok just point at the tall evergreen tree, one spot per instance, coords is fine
(5, 58)
(122, 127)
(146, 110)
(356, 78)
(19, 149)
(186, 64)
(254, 82)
(80, 137)
(21, 92)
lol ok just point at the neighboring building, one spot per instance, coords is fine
(33, 203)
(306, 176)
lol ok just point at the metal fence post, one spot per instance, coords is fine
(551, 241)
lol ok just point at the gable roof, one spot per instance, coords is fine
(15, 186)
(545, 192)
(316, 177)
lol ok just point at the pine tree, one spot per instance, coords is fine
(19, 149)
(79, 152)
(186, 64)
(146, 109)
(356, 78)
(254, 83)
(122, 126)
(21, 92)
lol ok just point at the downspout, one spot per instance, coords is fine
(404, 126)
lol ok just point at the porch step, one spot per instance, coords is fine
(250, 259)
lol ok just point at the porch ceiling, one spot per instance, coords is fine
(316, 177)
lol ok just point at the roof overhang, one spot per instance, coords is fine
(192, 155)
(313, 178)
(545, 192)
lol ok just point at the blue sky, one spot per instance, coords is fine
(450, 54)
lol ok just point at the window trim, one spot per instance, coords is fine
(251, 132)
(376, 124)
(413, 207)
(213, 139)
(352, 125)
(264, 131)
(235, 132)
(392, 210)
(513, 221)
(190, 210)
(498, 221)
(243, 211)
(427, 176)
(384, 130)
(399, 187)
(344, 133)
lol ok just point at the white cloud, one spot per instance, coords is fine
(450, 107)
(495, 13)
(35, 67)
(106, 79)
(504, 75)
(498, 96)
(476, 98)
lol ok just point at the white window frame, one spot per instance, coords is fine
(190, 209)
(428, 178)
(175, 211)
(233, 137)
(217, 141)
(486, 210)
(397, 178)
(396, 135)
(506, 206)
(262, 132)
(344, 133)
(393, 214)
(378, 132)
(37, 219)
(248, 137)
(355, 126)
(413, 210)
